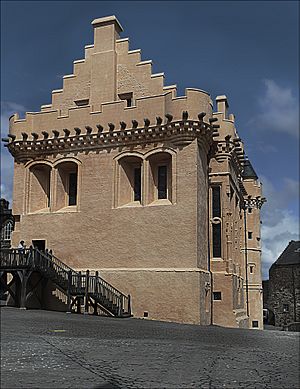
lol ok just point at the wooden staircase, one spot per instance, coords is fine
(79, 287)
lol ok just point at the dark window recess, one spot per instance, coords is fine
(72, 189)
(81, 103)
(137, 184)
(249, 210)
(216, 232)
(39, 244)
(48, 191)
(146, 314)
(217, 295)
(286, 308)
(162, 182)
(255, 323)
(216, 201)
(251, 269)
(250, 234)
(126, 97)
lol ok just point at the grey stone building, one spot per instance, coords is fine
(282, 290)
(7, 223)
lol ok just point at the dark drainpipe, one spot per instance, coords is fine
(246, 260)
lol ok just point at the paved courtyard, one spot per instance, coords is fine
(41, 349)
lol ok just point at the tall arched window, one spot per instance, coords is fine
(130, 180)
(66, 184)
(39, 195)
(6, 230)
(160, 177)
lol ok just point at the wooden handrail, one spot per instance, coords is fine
(71, 281)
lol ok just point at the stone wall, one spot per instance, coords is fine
(284, 293)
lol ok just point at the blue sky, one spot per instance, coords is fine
(246, 50)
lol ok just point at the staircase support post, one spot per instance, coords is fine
(129, 304)
(69, 292)
(23, 278)
(86, 294)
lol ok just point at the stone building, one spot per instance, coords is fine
(120, 175)
(7, 223)
(282, 290)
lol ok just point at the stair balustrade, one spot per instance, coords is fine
(74, 283)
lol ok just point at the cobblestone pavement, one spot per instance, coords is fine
(41, 349)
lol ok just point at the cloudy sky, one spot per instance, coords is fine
(246, 50)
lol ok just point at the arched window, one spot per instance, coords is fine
(216, 212)
(7, 229)
(160, 177)
(66, 184)
(39, 195)
(130, 180)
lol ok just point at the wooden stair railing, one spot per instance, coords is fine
(72, 283)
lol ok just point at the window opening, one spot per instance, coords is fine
(217, 295)
(162, 182)
(216, 232)
(286, 308)
(7, 230)
(249, 210)
(81, 103)
(126, 97)
(250, 234)
(251, 269)
(39, 195)
(255, 323)
(137, 184)
(72, 189)
(39, 244)
(216, 201)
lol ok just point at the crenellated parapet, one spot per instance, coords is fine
(194, 102)
(87, 138)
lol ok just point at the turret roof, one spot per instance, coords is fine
(249, 172)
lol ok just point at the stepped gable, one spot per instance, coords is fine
(111, 81)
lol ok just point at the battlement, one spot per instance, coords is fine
(194, 101)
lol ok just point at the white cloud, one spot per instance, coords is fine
(7, 109)
(279, 110)
(280, 224)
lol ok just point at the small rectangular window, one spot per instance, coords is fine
(217, 295)
(216, 236)
(250, 234)
(48, 190)
(126, 97)
(251, 269)
(286, 307)
(216, 201)
(72, 189)
(137, 184)
(162, 180)
(249, 210)
(255, 323)
(81, 103)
